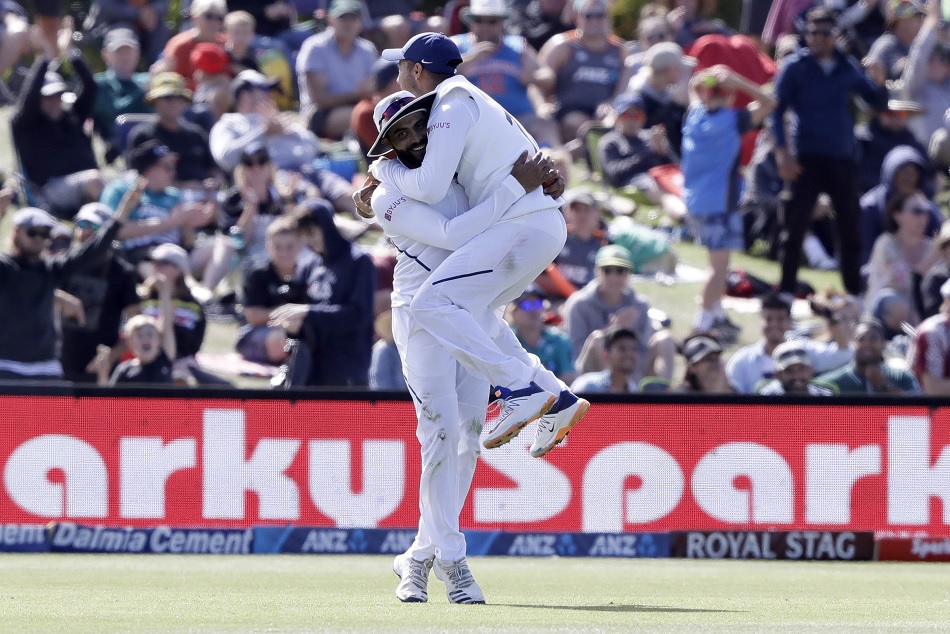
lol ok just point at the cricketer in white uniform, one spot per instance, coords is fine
(450, 401)
(474, 142)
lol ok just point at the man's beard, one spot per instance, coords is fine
(407, 159)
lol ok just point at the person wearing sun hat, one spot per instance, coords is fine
(587, 64)
(424, 234)
(28, 281)
(504, 66)
(473, 141)
(170, 97)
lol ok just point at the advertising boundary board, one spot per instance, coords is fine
(349, 460)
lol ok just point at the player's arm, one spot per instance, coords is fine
(400, 215)
(449, 125)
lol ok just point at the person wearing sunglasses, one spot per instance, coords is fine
(550, 345)
(903, 253)
(505, 67)
(817, 84)
(28, 281)
(207, 17)
(609, 299)
(587, 64)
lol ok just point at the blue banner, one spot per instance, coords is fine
(76, 538)
(23, 538)
(381, 542)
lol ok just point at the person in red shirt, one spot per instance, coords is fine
(208, 19)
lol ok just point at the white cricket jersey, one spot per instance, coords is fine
(473, 139)
(425, 235)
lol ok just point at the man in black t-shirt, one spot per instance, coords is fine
(107, 291)
(189, 141)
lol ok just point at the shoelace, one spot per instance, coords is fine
(460, 575)
(419, 572)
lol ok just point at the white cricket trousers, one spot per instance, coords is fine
(487, 273)
(450, 407)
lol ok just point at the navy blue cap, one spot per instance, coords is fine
(384, 72)
(437, 53)
(626, 100)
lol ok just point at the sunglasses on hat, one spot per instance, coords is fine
(393, 108)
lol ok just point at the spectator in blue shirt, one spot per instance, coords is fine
(817, 83)
(550, 345)
(712, 140)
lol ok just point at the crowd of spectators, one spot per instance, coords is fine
(217, 150)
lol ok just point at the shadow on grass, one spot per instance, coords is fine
(618, 608)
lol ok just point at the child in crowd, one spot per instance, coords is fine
(712, 136)
(239, 34)
(152, 342)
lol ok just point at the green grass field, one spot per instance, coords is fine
(286, 593)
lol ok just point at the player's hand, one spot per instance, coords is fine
(532, 172)
(363, 196)
(555, 187)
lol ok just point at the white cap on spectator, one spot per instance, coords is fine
(33, 217)
(96, 213)
(945, 290)
(663, 56)
(173, 254)
(200, 7)
(117, 38)
(53, 84)
(789, 353)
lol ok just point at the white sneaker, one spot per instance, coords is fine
(554, 426)
(518, 408)
(460, 585)
(413, 578)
